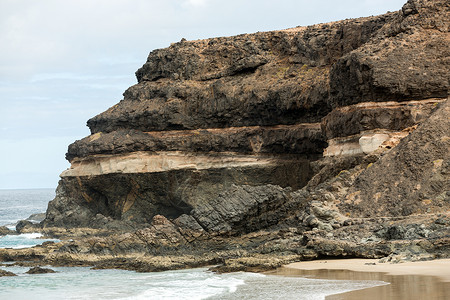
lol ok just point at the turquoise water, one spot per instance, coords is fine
(84, 283)
(192, 284)
(20, 241)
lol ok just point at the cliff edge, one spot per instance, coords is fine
(260, 149)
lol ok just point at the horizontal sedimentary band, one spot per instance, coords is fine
(388, 104)
(393, 116)
(298, 139)
(149, 162)
(365, 127)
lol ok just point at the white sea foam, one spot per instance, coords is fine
(280, 287)
(82, 283)
(11, 227)
(25, 240)
(195, 285)
(34, 235)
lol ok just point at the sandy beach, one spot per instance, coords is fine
(439, 268)
(409, 280)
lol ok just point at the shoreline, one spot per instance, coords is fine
(438, 268)
(409, 280)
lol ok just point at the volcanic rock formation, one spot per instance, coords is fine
(330, 139)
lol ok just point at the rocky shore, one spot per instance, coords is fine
(254, 151)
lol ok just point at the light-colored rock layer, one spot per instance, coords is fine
(389, 104)
(149, 162)
(364, 143)
(394, 116)
(365, 127)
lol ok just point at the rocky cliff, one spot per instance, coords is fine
(257, 149)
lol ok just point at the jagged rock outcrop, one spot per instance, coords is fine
(414, 177)
(137, 196)
(326, 140)
(290, 76)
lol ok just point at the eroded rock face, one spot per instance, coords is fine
(327, 140)
(413, 177)
(390, 116)
(223, 82)
(254, 102)
(137, 197)
(260, 79)
(306, 139)
(408, 59)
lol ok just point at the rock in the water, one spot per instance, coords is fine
(6, 273)
(39, 270)
(5, 230)
(39, 217)
(22, 225)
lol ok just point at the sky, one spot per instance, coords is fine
(63, 62)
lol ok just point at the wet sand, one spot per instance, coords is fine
(422, 280)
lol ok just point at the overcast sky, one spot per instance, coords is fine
(63, 62)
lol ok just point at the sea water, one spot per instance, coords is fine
(18, 205)
(85, 283)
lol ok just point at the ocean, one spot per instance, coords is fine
(20, 204)
(84, 283)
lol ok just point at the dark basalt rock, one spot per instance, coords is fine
(22, 224)
(243, 209)
(222, 82)
(408, 59)
(138, 197)
(5, 230)
(215, 155)
(39, 270)
(309, 71)
(304, 139)
(6, 273)
(412, 178)
(393, 116)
